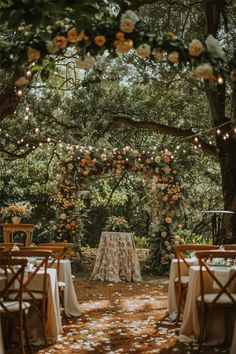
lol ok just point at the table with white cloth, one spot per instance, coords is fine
(53, 321)
(184, 269)
(71, 306)
(116, 258)
(219, 323)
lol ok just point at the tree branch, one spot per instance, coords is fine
(188, 134)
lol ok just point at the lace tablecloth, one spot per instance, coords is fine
(116, 259)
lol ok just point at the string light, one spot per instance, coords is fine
(220, 80)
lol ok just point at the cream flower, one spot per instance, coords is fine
(143, 50)
(195, 48)
(63, 216)
(214, 48)
(163, 234)
(128, 21)
(103, 157)
(85, 63)
(173, 57)
(204, 71)
(168, 220)
(127, 25)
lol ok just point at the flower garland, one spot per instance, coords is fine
(157, 169)
(207, 62)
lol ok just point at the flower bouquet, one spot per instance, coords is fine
(16, 211)
(116, 223)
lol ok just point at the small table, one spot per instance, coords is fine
(10, 229)
(217, 225)
(116, 259)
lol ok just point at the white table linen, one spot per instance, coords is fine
(217, 328)
(116, 258)
(71, 306)
(53, 322)
(172, 297)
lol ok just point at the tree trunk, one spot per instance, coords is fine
(227, 159)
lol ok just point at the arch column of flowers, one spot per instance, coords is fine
(160, 174)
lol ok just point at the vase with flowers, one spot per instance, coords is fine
(16, 211)
(116, 223)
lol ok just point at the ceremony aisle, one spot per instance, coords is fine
(121, 318)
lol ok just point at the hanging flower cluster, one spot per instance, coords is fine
(156, 168)
(68, 224)
(207, 61)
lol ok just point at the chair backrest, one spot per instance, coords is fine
(229, 247)
(55, 256)
(11, 274)
(203, 258)
(10, 245)
(67, 247)
(40, 261)
(182, 252)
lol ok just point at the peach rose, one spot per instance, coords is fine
(100, 40)
(173, 57)
(60, 41)
(195, 48)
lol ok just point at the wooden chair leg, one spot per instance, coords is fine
(21, 334)
(25, 328)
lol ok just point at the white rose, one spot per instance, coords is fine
(127, 25)
(131, 15)
(214, 47)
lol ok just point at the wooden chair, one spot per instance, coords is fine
(67, 247)
(37, 297)
(220, 298)
(229, 247)
(11, 280)
(182, 253)
(54, 262)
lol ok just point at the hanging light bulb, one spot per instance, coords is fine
(218, 131)
(196, 139)
(220, 80)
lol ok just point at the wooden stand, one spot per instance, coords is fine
(10, 229)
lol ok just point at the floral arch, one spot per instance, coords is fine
(158, 170)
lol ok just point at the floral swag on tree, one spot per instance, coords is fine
(91, 37)
(160, 175)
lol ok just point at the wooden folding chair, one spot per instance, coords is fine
(11, 281)
(54, 262)
(182, 253)
(37, 297)
(229, 247)
(220, 298)
(67, 247)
